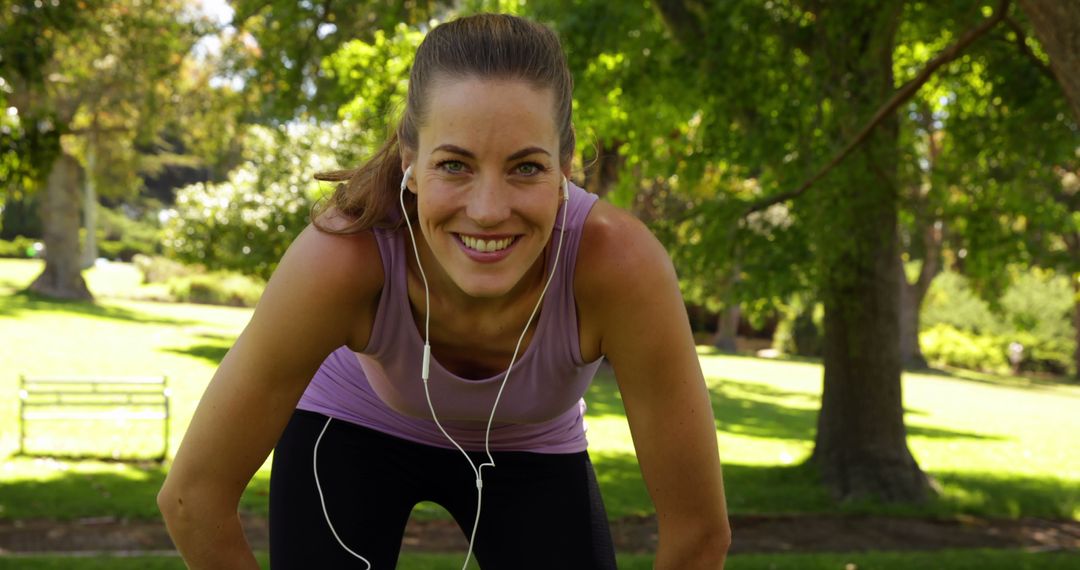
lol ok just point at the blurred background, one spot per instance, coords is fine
(873, 208)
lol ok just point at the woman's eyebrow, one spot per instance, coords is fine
(526, 152)
(452, 148)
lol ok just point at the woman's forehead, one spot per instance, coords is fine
(472, 112)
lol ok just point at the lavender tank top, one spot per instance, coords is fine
(541, 409)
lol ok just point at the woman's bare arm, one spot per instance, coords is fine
(322, 296)
(630, 288)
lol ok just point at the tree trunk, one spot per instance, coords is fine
(910, 353)
(861, 443)
(90, 249)
(1076, 323)
(602, 171)
(1057, 25)
(727, 326)
(913, 294)
(62, 277)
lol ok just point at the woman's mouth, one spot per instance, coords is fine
(482, 245)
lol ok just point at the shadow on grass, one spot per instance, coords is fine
(987, 379)
(213, 350)
(751, 409)
(1009, 495)
(66, 490)
(750, 488)
(75, 490)
(24, 301)
(773, 489)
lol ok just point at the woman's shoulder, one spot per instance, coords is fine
(339, 275)
(618, 265)
(349, 259)
(615, 246)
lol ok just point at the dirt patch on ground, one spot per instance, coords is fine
(773, 533)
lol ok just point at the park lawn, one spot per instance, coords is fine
(997, 446)
(942, 560)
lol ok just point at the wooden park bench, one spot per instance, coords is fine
(95, 398)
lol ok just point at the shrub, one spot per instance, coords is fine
(246, 223)
(21, 247)
(123, 232)
(217, 288)
(945, 344)
(801, 328)
(952, 302)
(159, 269)
(1034, 311)
(1037, 310)
(125, 250)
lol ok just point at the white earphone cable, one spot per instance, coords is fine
(322, 500)
(426, 366)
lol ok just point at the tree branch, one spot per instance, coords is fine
(903, 94)
(1021, 44)
(679, 19)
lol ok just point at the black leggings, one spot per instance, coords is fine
(539, 510)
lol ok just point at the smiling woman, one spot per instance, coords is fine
(387, 366)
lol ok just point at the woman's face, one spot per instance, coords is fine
(487, 179)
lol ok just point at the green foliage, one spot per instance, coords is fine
(1034, 311)
(157, 269)
(801, 329)
(1038, 307)
(944, 344)
(950, 301)
(246, 223)
(19, 247)
(121, 238)
(217, 288)
(283, 77)
(375, 75)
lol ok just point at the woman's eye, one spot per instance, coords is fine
(452, 166)
(529, 168)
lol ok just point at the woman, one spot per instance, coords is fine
(434, 350)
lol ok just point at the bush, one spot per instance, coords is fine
(123, 233)
(217, 288)
(951, 301)
(945, 344)
(21, 247)
(125, 250)
(246, 223)
(801, 329)
(159, 269)
(1034, 311)
(1038, 308)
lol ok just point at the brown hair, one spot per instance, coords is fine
(488, 46)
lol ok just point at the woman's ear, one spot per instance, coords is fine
(406, 168)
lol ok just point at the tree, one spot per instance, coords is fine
(102, 60)
(1057, 25)
(283, 74)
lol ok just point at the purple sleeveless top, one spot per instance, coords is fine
(541, 409)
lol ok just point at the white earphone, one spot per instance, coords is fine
(426, 367)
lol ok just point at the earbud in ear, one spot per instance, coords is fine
(565, 189)
(405, 177)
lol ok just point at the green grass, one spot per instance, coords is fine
(997, 446)
(952, 559)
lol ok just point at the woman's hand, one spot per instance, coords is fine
(627, 288)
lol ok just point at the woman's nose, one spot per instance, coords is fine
(488, 205)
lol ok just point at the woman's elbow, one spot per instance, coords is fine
(168, 501)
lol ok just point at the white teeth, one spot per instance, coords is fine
(485, 246)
